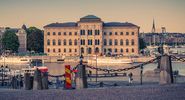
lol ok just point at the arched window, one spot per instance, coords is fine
(64, 49)
(121, 42)
(82, 50)
(65, 42)
(59, 50)
(110, 41)
(75, 42)
(127, 42)
(127, 50)
(48, 42)
(115, 42)
(54, 42)
(132, 50)
(70, 50)
(132, 42)
(70, 42)
(53, 50)
(121, 50)
(59, 42)
(115, 50)
(96, 50)
(89, 50)
(48, 50)
(105, 42)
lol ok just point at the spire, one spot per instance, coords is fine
(153, 27)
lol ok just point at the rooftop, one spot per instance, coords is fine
(68, 24)
(118, 24)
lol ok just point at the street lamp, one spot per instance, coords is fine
(2, 75)
(81, 59)
(96, 67)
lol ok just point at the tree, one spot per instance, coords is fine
(35, 39)
(142, 44)
(10, 41)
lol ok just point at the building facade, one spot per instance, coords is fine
(91, 36)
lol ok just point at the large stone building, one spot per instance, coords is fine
(89, 36)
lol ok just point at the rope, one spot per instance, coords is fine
(124, 69)
(178, 58)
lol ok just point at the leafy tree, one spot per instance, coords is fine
(142, 44)
(10, 41)
(35, 39)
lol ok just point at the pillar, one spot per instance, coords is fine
(81, 78)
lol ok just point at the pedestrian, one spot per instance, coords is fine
(130, 79)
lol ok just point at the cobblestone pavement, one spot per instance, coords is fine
(155, 92)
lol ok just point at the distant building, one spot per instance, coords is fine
(22, 36)
(89, 36)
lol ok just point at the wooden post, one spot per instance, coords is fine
(45, 80)
(81, 78)
(27, 81)
(166, 75)
(37, 82)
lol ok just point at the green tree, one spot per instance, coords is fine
(10, 41)
(35, 39)
(142, 44)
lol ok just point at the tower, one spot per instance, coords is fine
(153, 27)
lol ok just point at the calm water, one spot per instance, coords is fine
(58, 68)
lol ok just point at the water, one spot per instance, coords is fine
(58, 68)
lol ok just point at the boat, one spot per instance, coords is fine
(14, 60)
(110, 60)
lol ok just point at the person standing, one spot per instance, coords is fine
(130, 79)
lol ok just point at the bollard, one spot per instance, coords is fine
(81, 78)
(68, 81)
(27, 81)
(44, 80)
(37, 81)
(166, 76)
(101, 84)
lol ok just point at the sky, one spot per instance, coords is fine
(166, 13)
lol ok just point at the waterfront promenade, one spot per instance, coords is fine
(150, 92)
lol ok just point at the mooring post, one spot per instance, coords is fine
(45, 80)
(141, 75)
(81, 78)
(27, 81)
(166, 75)
(37, 81)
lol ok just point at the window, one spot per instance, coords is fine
(110, 33)
(121, 50)
(59, 50)
(110, 50)
(53, 50)
(127, 42)
(64, 49)
(70, 42)
(121, 42)
(65, 42)
(89, 50)
(76, 33)
(105, 50)
(116, 33)
(75, 50)
(132, 42)
(97, 32)
(97, 41)
(127, 33)
(82, 50)
(115, 42)
(65, 33)
(48, 42)
(75, 42)
(82, 42)
(127, 50)
(96, 50)
(54, 33)
(70, 33)
(132, 50)
(132, 33)
(48, 33)
(110, 41)
(82, 32)
(89, 32)
(105, 42)
(121, 33)
(90, 42)
(59, 42)
(70, 50)
(115, 50)
(105, 33)
(59, 33)
(48, 50)
(54, 42)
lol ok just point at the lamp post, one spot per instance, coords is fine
(2, 75)
(96, 68)
(81, 59)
